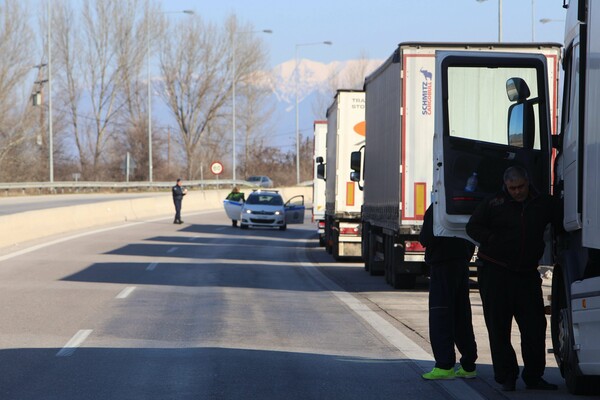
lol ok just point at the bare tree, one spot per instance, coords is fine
(196, 63)
(96, 52)
(15, 64)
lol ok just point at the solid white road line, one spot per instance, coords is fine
(457, 388)
(80, 235)
(74, 343)
(172, 249)
(125, 292)
(152, 266)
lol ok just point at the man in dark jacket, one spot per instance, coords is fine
(450, 320)
(178, 193)
(509, 227)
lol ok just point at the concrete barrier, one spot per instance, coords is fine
(31, 225)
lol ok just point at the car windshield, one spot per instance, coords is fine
(265, 199)
(254, 179)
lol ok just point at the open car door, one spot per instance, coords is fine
(294, 210)
(491, 112)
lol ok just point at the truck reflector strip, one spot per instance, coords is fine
(420, 199)
(349, 231)
(349, 193)
(413, 246)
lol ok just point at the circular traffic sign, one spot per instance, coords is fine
(216, 168)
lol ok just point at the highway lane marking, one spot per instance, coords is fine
(126, 292)
(193, 238)
(457, 388)
(76, 341)
(151, 266)
(172, 249)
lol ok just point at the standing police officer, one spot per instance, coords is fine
(178, 193)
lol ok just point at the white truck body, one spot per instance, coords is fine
(345, 134)
(575, 320)
(398, 173)
(320, 146)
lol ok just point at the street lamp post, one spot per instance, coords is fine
(327, 42)
(499, 18)
(50, 135)
(233, 129)
(150, 84)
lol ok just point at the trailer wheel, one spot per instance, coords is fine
(335, 246)
(365, 245)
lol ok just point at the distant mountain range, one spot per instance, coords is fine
(316, 84)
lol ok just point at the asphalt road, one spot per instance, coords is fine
(153, 310)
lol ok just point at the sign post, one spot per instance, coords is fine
(217, 169)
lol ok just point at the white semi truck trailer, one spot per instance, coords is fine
(345, 134)
(396, 170)
(320, 146)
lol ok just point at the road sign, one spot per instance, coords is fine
(216, 168)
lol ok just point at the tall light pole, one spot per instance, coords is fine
(233, 129)
(50, 135)
(149, 77)
(327, 42)
(499, 18)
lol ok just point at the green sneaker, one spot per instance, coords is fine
(438, 373)
(461, 373)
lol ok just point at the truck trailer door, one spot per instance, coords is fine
(491, 112)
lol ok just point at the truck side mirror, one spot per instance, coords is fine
(355, 158)
(319, 160)
(355, 176)
(321, 171)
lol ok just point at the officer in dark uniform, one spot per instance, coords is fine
(509, 227)
(178, 193)
(450, 320)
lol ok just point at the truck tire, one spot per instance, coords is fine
(364, 246)
(335, 247)
(398, 280)
(562, 339)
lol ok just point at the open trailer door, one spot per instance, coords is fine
(491, 112)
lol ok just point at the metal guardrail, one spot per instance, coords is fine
(80, 185)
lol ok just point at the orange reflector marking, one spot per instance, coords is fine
(361, 128)
(420, 199)
(349, 193)
(584, 303)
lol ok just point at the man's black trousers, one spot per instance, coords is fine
(506, 294)
(450, 320)
(177, 203)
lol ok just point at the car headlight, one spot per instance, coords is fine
(248, 211)
(277, 212)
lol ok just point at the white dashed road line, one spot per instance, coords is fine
(152, 266)
(74, 343)
(172, 249)
(125, 292)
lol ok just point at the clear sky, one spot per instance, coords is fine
(375, 27)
